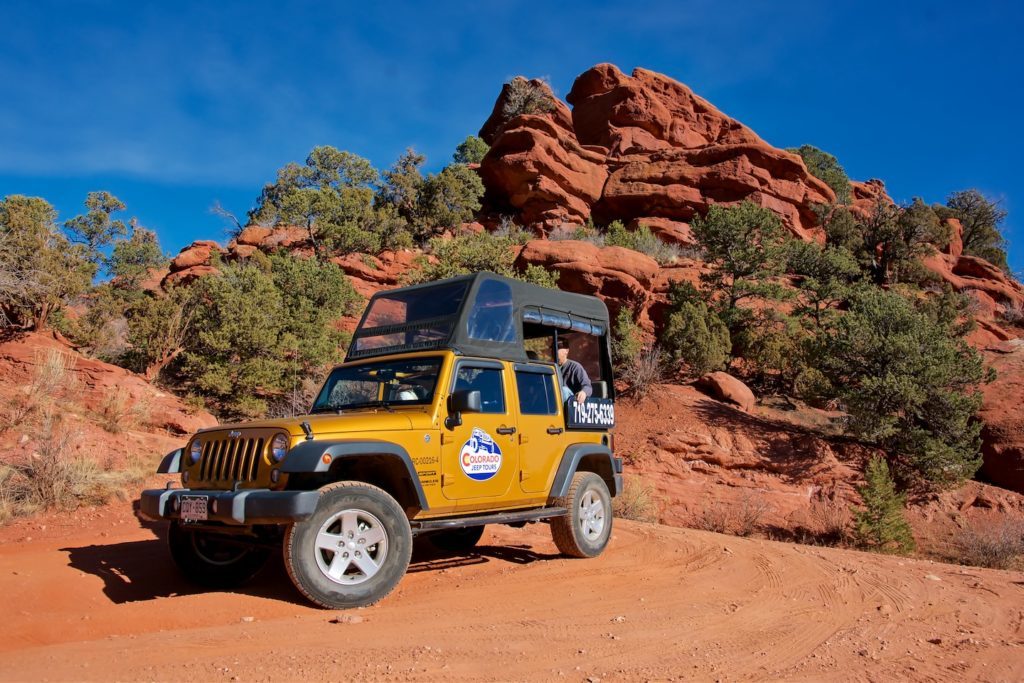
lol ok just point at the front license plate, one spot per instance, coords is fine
(193, 508)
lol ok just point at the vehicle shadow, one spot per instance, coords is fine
(135, 571)
(426, 557)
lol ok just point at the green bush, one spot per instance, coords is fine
(448, 199)
(693, 333)
(472, 150)
(627, 340)
(41, 270)
(745, 247)
(826, 168)
(881, 525)
(254, 334)
(982, 220)
(908, 381)
(467, 254)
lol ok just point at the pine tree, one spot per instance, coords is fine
(881, 525)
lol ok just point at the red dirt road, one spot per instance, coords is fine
(93, 597)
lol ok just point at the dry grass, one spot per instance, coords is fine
(830, 522)
(752, 509)
(117, 412)
(636, 502)
(997, 546)
(714, 517)
(646, 370)
(52, 377)
(1013, 313)
(53, 478)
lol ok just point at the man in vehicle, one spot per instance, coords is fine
(574, 376)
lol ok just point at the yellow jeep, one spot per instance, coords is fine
(448, 414)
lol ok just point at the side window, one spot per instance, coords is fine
(488, 382)
(536, 394)
(491, 316)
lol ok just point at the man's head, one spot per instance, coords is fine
(563, 352)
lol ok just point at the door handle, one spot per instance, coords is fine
(505, 430)
(555, 430)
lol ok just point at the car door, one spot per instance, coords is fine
(480, 457)
(542, 438)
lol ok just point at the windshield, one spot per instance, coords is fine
(396, 382)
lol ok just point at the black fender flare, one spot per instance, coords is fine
(608, 467)
(171, 464)
(308, 456)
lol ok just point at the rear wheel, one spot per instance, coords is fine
(457, 540)
(585, 531)
(211, 560)
(353, 550)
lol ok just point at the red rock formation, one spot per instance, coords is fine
(639, 146)
(539, 169)
(1003, 433)
(865, 195)
(615, 274)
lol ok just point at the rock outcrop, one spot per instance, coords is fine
(1003, 433)
(639, 146)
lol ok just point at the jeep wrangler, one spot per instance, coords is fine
(448, 414)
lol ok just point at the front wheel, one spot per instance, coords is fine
(213, 561)
(353, 550)
(585, 530)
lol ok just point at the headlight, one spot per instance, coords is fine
(278, 447)
(195, 451)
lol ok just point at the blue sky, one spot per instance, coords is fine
(176, 106)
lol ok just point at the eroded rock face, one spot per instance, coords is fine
(1003, 433)
(539, 169)
(639, 146)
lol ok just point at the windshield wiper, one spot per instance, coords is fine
(325, 409)
(386, 405)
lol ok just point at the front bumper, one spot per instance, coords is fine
(245, 506)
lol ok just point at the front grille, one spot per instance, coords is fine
(231, 460)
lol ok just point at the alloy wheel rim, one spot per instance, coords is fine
(351, 547)
(591, 515)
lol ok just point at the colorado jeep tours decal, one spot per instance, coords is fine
(480, 457)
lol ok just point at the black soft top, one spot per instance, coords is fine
(479, 315)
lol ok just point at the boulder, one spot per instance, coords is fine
(608, 272)
(196, 254)
(725, 387)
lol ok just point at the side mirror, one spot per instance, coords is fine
(600, 389)
(465, 402)
(459, 403)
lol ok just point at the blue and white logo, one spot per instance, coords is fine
(480, 457)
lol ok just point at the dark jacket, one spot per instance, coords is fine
(576, 378)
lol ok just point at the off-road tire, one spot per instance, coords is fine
(457, 540)
(574, 533)
(210, 561)
(370, 513)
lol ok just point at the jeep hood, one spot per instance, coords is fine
(375, 420)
